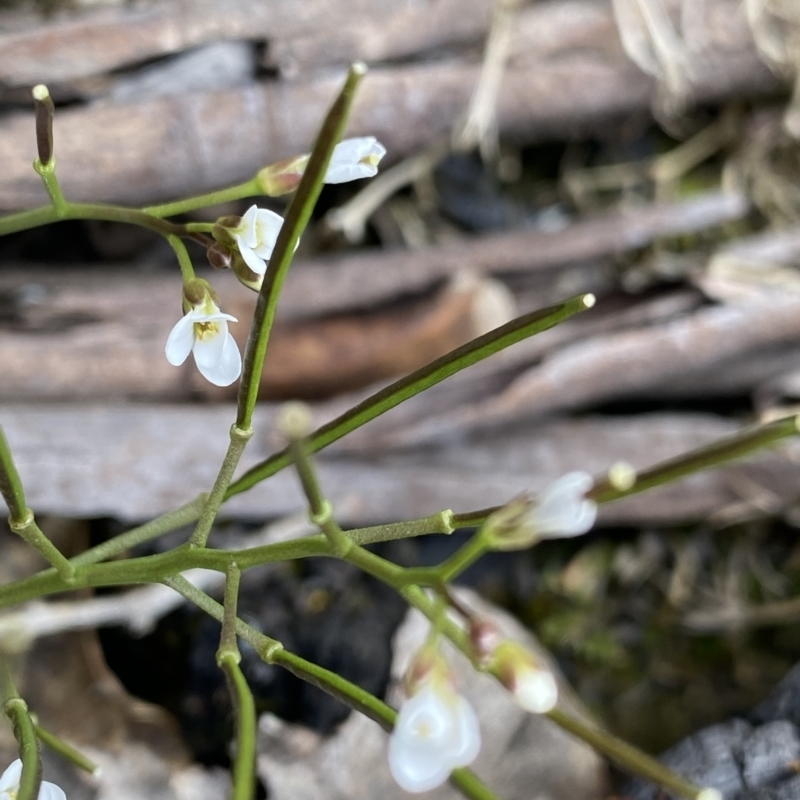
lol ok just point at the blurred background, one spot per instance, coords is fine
(647, 151)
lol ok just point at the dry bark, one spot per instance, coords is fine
(135, 461)
(168, 147)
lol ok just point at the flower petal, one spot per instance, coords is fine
(258, 265)
(536, 690)
(10, 778)
(268, 226)
(180, 340)
(229, 366)
(49, 791)
(247, 230)
(562, 509)
(342, 173)
(208, 346)
(468, 735)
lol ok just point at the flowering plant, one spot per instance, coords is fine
(436, 733)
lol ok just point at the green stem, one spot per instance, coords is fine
(462, 357)
(625, 755)
(184, 260)
(450, 569)
(159, 526)
(731, 447)
(272, 652)
(58, 745)
(244, 708)
(47, 172)
(297, 216)
(239, 439)
(16, 710)
(238, 192)
(20, 519)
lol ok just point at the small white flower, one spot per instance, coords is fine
(203, 331)
(353, 159)
(9, 785)
(436, 732)
(256, 236)
(562, 509)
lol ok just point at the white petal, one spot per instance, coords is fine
(342, 173)
(49, 791)
(207, 350)
(468, 743)
(247, 228)
(11, 777)
(180, 340)
(536, 690)
(562, 509)
(413, 771)
(258, 265)
(268, 226)
(229, 366)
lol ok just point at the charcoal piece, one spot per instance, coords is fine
(770, 754)
(783, 702)
(709, 757)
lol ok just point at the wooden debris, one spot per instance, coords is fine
(135, 461)
(571, 85)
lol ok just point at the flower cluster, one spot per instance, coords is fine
(9, 785)
(245, 244)
(436, 729)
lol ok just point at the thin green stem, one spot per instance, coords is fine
(23, 220)
(58, 745)
(249, 188)
(47, 172)
(21, 519)
(398, 392)
(15, 708)
(272, 652)
(297, 216)
(159, 526)
(185, 261)
(239, 439)
(450, 569)
(625, 755)
(10, 483)
(730, 448)
(244, 708)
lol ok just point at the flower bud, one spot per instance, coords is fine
(219, 256)
(561, 510)
(281, 177)
(533, 685)
(197, 291)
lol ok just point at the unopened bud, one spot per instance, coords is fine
(294, 420)
(485, 637)
(219, 256)
(530, 681)
(281, 177)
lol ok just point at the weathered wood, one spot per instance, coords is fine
(172, 146)
(625, 364)
(136, 461)
(78, 45)
(67, 333)
(88, 336)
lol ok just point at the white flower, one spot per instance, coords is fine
(9, 785)
(203, 331)
(436, 732)
(256, 235)
(562, 509)
(355, 158)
